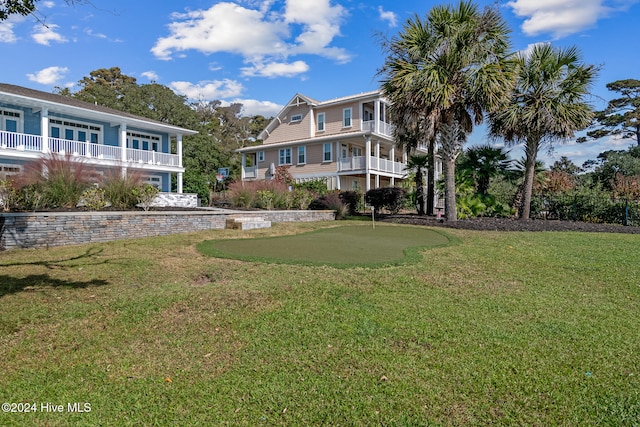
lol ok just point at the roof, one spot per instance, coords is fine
(37, 99)
(299, 98)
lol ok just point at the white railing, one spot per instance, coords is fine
(20, 141)
(26, 142)
(387, 166)
(383, 128)
(351, 163)
(250, 171)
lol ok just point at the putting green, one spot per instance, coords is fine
(344, 246)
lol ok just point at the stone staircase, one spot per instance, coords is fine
(247, 223)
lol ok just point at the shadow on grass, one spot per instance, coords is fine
(10, 285)
(61, 263)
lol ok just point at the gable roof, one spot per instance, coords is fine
(39, 99)
(299, 99)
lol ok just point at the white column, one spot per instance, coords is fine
(376, 116)
(179, 153)
(44, 129)
(123, 148)
(378, 154)
(244, 164)
(312, 122)
(367, 163)
(392, 157)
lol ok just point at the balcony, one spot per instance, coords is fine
(376, 164)
(383, 128)
(33, 143)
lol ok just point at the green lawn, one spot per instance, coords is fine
(345, 246)
(498, 329)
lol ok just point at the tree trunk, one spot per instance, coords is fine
(450, 189)
(431, 177)
(419, 192)
(531, 150)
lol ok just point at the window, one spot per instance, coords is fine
(74, 131)
(296, 118)
(154, 180)
(284, 157)
(302, 155)
(326, 150)
(7, 170)
(357, 151)
(346, 117)
(321, 119)
(261, 156)
(137, 140)
(10, 121)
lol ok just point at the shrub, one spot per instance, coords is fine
(264, 194)
(316, 186)
(265, 199)
(61, 180)
(301, 198)
(145, 194)
(330, 201)
(9, 194)
(283, 176)
(93, 199)
(389, 198)
(119, 189)
(352, 199)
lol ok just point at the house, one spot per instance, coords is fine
(34, 124)
(346, 141)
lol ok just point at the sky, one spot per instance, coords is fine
(262, 52)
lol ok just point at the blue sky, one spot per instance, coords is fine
(262, 52)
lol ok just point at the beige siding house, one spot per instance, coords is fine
(347, 141)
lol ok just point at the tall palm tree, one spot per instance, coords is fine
(547, 105)
(446, 70)
(419, 163)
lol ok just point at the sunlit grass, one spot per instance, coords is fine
(499, 329)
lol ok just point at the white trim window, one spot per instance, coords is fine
(346, 117)
(155, 180)
(75, 131)
(302, 155)
(141, 141)
(321, 122)
(284, 156)
(327, 152)
(296, 118)
(261, 156)
(11, 120)
(9, 169)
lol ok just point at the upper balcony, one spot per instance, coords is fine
(377, 126)
(20, 142)
(358, 164)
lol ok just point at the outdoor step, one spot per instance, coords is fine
(247, 223)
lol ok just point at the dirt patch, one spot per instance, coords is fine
(510, 224)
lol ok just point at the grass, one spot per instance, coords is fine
(500, 329)
(339, 247)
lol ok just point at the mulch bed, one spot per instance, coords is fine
(510, 224)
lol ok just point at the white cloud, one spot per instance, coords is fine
(150, 75)
(44, 35)
(259, 33)
(209, 90)
(47, 4)
(6, 32)
(252, 107)
(563, 17)
(49, 75)
(276, 69)
(388, 16)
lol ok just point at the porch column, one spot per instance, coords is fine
(376, 116)
(377, 154)
(312, 122)
(44, 129)
(244, 164)
(122, 142)
(179, 153)
(367, 162)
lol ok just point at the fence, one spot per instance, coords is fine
(586, 208)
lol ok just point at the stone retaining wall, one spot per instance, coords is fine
(38, 230)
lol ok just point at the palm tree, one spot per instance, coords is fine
(482, 163)
(446, 71)
(546, 105)
(419, 163)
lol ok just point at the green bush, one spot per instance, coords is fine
(353, 200)
(332, 202)
(145, 194)
(93, 199)
(316, 186)
(390, 198)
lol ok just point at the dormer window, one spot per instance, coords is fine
(296, 118)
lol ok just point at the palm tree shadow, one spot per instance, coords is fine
(10, 285)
